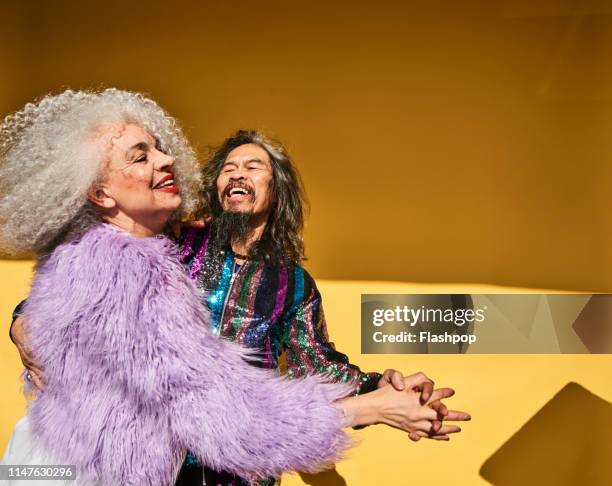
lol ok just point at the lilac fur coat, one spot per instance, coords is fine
(135, 378)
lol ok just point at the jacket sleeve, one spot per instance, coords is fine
(246, 420)
(308, 347)
(231, 415)
(138, 324)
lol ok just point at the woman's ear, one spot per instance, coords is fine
(100, 197)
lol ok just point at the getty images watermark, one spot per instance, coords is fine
(410, 316)
(419, 323)
(486, 323)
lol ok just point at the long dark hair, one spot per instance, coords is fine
(282, 238)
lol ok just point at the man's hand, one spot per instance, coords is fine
(34, 372)
(438, 428)
(392, 377)
(416, 382)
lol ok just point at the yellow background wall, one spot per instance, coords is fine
(463, 141)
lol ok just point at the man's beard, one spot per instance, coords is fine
(232, 227)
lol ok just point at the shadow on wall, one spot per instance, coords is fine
(566, 443)
(325, 478)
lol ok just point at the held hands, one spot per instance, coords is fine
(409, 411)
(411, 404)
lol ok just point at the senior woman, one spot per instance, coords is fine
(134, 378)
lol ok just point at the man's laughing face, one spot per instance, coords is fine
(245, 181)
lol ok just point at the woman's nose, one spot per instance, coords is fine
(165, 162)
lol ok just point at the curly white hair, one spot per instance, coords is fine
(47, 168)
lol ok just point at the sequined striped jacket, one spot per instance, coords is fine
(267, 307)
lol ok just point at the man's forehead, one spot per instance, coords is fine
(248, 152)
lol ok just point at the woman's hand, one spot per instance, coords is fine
(18, 335)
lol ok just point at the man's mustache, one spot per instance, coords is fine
(238, 185)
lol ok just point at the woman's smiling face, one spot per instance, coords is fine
(138, 182)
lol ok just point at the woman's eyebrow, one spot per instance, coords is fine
(138, 146)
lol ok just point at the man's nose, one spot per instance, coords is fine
(237, 175)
